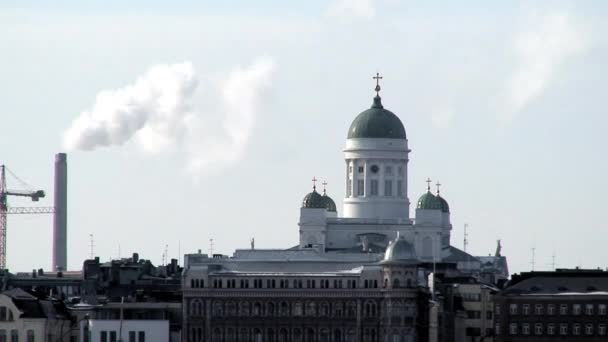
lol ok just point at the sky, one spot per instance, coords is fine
(186, 121)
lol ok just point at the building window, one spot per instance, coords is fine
(538, 329)
(525, 328)
(361, 169)
(471, 314)
(141, 336)
(400, 170)
(589, 329)
(3, 315)
(538, 309)
(132, 335)
(576, 309)
(360, 187)
(589, 309)
(601, 309)
(576, 329)
(563, 329)
(31, 337)
(471, 297)
(563, 309)
(400, 188)
(488, 315)
(525, 309)
(103, 336)
(14, 335)
(513, 309)
(112, 336)
(601, 329)
(497, 309)
(2, 335)
(551, 329)
(513, 329)
(551, 309)
(388, 170)
(374, 187)
(388, 188)
(497, 329)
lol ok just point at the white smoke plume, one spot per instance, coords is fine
(156, 111)
(241, 94)
(155, 108)
(548, 42)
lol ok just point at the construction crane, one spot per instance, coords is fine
(35, 195)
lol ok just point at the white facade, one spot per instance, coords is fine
(376, 178)
(29, 329)
(125, 330)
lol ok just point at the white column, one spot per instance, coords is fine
(355, 163)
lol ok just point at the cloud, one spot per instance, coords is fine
(241, 95)
(156, 112)
(541, 49)
(352, 8)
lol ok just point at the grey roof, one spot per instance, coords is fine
(453, 254)
(562, 282)
(32, 307)
(314, 200)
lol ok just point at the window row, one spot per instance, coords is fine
(284, 283)
(554, 329)
(552, 309)
(375, 169)
(287, 309)
(112, 336)
(14, 335)
(389, 190)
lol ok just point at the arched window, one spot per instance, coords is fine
(257, 309)
(396, 283)
(270, 309)
(192, 283)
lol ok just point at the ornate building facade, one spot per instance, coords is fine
(357, 277)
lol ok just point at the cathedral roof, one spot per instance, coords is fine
(330, 205)
(444, 204)
(400, 250)
(430, 202)
(377, 122)
(314, 200)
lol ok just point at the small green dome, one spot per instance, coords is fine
(313, 200)
(377, 122)
(429, 201)
(444, 204)
(330, 205)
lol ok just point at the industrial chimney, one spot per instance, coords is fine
(60, 219)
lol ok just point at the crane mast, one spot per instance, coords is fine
(5, 210)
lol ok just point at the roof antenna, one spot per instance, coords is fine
(466, 236)
(92, 246)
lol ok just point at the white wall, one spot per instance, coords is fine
(155, 330)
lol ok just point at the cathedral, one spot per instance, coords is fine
(360, 275)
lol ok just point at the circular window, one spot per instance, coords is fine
(375, 168)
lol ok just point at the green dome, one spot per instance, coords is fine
(313, 200)
(377, 122)
(429, 201)
(330, 205)
(444, 204)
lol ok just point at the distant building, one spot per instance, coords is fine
(124, 331)
(565, 305)
(24, 317)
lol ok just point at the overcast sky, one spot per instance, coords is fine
(186, 121)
